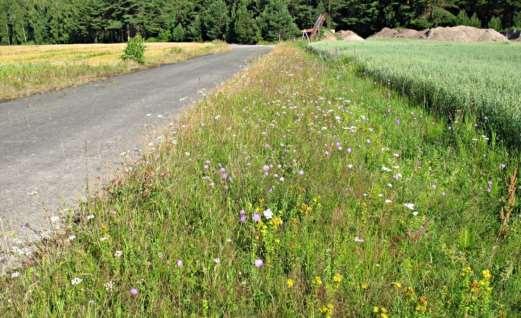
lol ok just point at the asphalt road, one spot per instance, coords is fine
(57, 148)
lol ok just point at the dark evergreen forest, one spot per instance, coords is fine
(242, 21)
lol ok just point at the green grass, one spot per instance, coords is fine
(481, 79)
(379, 209)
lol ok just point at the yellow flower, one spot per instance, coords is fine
(276, 221)
(338, 278)
(327, 310)
(486, 274)
(376, 309)
(397, 285)
(317, 281)
(364, 286)
(290, 282)
(305, 209)
(466, 271)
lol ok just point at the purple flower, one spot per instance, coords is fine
(259, 263)
(242, 216)
(398, 121)
(256, 217)
(224, 174)
(134, 292)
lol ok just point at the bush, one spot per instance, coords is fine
(420, 24)
(135, 50)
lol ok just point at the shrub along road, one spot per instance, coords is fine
(56, 148)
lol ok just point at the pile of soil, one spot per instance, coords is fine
(349, 36)
(465, 34)
(450, 34)
(329, 36)
(401, 33)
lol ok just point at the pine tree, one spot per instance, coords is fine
(16, 21)
(463, 18)
(194, 32)
(4, 23)
(495, 23)
(178, 34)
(517, 21)
(245, 28)
(215, 20)
(276, 22)
(474, 21)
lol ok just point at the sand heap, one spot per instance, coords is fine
(400, 33)
(451, 34)
(328, 36)
(465, 34)
(349, 36)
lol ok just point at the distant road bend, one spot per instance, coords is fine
(52, 145)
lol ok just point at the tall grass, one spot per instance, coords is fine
(25, 70)
(296, 190)
(480, 80)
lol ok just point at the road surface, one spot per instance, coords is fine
(57, 148)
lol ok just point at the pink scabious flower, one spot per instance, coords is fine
(256, 217)
(259, 263)
(224, 174)
(134, 292)
(242, 216)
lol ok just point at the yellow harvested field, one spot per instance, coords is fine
(29, 69)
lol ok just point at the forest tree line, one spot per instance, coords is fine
(240, 21)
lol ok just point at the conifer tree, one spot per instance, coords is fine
(215, 20)
(245, 28)
(276, 22)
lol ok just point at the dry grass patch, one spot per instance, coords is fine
(25, 70)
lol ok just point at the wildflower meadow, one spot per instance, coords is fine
(297, 189)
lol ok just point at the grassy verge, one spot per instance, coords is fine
(477, 79)
(25, 70)
(299, 189)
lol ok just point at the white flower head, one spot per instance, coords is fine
(76, 281)
(409, 206)
(268, 214)
(118, 254)
(109, 285)
(358, 239)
